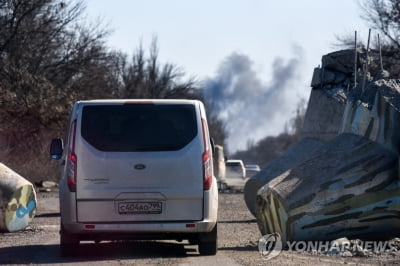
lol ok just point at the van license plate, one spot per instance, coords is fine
(154, 207)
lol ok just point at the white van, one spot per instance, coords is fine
(235, 174)
(137, 169)
(235, 169)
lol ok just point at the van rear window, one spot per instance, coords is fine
(139, 127)
(235, 166)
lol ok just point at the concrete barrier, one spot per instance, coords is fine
(350, 186)
(17, 200)
(292, 157)
(377, 115)
(323, 118)
(323, 121)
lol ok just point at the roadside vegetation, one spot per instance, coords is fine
(49, 58)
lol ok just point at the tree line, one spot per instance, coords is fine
(51, 57)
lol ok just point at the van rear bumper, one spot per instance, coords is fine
(139, 228)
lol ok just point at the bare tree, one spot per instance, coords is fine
(49, 58)
(148, 78)
(46, 54)
(383, 16)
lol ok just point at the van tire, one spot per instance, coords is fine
(68, 244)
(208, 242)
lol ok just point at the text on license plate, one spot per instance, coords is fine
(154, 207)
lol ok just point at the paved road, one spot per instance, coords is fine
(237, 244)
(39, 244)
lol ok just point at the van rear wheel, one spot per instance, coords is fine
(68, 243)
(208, 242)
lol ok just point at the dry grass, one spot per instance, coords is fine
(24, 147)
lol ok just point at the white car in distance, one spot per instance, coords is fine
(235, 174)
(252, 169)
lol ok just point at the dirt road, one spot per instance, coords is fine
(237, 244)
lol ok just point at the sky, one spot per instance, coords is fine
(254, 58)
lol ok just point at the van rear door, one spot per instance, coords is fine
(139, 162)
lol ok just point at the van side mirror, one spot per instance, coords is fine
(56, 149)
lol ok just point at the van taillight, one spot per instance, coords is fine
(72, 159)
(207, 171)
(207, 165)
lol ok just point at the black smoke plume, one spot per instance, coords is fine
(251, 108)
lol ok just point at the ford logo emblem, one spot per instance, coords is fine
(140, 166)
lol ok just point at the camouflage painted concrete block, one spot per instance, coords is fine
(292, 157)
(349, 188)
(377, 116)
(17, 200)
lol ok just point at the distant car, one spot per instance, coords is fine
(235, 169)
(137, 169)
(252, 169)
(235, 174)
